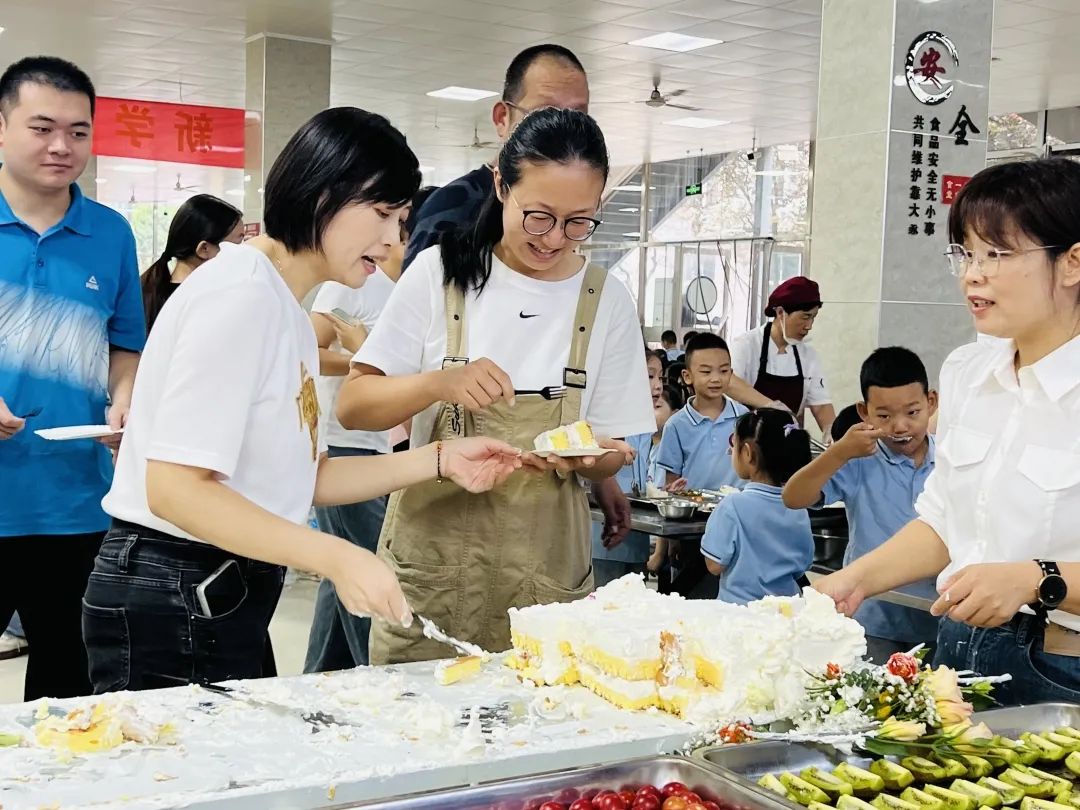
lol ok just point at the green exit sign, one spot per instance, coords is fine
(693, 189)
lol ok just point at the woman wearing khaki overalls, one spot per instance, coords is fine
(472, 332)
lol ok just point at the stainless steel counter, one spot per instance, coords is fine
(650, 522)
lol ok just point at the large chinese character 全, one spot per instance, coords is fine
(195, 132)
(916, 158)
(135, 123)
(932, 177)
(961, 125)
(929, 67)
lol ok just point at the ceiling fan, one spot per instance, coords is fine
(181, 187)
(658, 99)
(479, 144)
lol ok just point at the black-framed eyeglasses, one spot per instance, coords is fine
(540, 223)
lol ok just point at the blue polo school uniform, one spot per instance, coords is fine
(66, 296)
(879, 494)
(635, 546)
(697, 448)
(764, 546)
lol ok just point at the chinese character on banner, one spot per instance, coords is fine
(251, 230)
(929, 228)
(918, 122)
(172, 133)
(194, 133)
(929, 67)
(931, 193)
(916, 158)
(931, 212)
(932, 159)
(950, 187)
(935, 142)
(915, 193)
(913, 229)
(931, 177)
(914, 211)
(961, 126)
(916, 175)
(134, 123)
(935, 125)
(916, 140)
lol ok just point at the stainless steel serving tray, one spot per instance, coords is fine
(530, 792)
(751, 761)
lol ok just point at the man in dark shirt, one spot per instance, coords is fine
(541, 76)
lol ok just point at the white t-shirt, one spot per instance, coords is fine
(226, 383)
(524, 326)
(1006, 480)
(365, 304)
(746, 357)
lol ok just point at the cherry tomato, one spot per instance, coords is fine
(610, 801)
(553, 806)
(691, 797)
(695, 806)
(673, 789)
(646, 802)
(582, 804)
(711, 806)
(649, 790)
(675, 803)
(627, 796)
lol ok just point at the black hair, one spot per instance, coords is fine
(675, 396)
(703, 341)
(1037, 198)
(202, 218)
(673, 376)
(892, 367)
(806, 306)
(661, 355)
(782, 447)
(340, 157)
(688, 336)
(545, 136)
(513, 86)
(50, 71)
(418, 200)
(669, 336)
(845, 421)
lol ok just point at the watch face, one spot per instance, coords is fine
(1052, 590)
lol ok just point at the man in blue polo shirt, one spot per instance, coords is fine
(71, 328)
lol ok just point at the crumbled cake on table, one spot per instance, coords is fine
(640, 650)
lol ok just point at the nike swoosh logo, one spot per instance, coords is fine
(523, 315)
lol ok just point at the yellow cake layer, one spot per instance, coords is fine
(533, 646)
(529, 671)
(642, 670)
(611, 696)
(709, 671)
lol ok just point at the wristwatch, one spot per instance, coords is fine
(1052, 587)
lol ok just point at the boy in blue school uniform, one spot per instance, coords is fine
(756, 545)
(878, 470)
(694, 449)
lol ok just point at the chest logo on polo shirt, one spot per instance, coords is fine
(307, 403)
(91, 283)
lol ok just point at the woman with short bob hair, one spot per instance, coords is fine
(222, 459)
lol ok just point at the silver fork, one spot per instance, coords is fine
(549, 392)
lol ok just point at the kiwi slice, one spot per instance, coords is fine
(952, 799)
(1048, 751)
(954, 768)
(977, 767)
(1060, 783)
(862, 781)
(827, 782)
(1031, 803)
(923, 799)
(925, 770)
(883, 801)
(1031, 785)
(982, 795)
(1072, 762)
(1010, 794)
(853, 803)
(771, 783)
(896, 777)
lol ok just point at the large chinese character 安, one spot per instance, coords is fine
(194, 132)
(134, 122)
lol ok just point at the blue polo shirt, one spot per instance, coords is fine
(879, 493)
(764, 545)
(697, 448)
(635, 546)
(65, 296)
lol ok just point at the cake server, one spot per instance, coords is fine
(432, 631)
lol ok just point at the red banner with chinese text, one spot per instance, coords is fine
(175, 133)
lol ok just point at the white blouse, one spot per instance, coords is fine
(1006, 484)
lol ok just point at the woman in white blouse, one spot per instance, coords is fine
(999, 520)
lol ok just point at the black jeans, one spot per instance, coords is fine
(43, 577)
(142, 624)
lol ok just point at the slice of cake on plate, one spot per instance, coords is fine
(576, 436)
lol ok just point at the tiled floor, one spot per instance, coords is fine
(289, 630)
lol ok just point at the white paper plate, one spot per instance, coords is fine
(63, 434)
(572, 453)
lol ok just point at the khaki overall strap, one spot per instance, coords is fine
(456, 336)
(574, 376)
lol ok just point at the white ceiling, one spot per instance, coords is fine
(388, 53)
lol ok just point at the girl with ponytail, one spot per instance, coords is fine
(504, 330)
(756, 545)
(201, 224)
